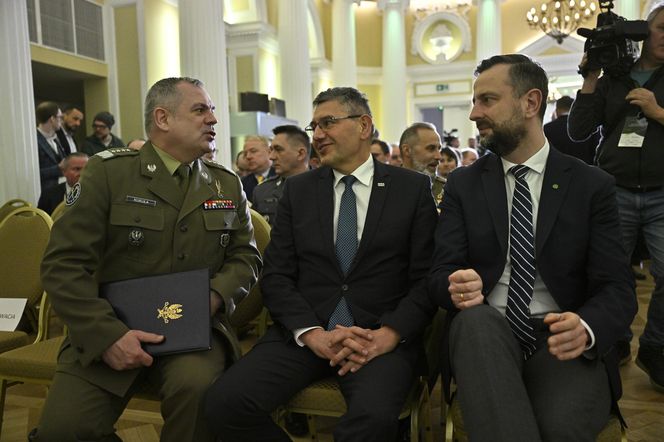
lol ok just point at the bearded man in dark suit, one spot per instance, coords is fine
(529, 265)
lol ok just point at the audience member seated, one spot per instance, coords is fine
(468, 156)
(529, 264)
(72, 167)
(420, 151)
(380, 150)
(339, 311)
(136, 144)
(289, 153)
(126, 222)
(257, 153)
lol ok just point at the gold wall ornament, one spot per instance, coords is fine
(559, 18)
(441, 37)
(170, 311)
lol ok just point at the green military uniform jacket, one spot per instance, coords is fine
(127, 218)
(266, 198)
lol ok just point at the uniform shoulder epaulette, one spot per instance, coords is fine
(212, 163)
(115, 152)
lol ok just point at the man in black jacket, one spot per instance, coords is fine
(630, 113)
(556, 133)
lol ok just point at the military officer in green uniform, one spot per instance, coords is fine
(289, 152)
(159, 210)
(420, 151)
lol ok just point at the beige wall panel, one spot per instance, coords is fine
(369, 36)
(374, 95)
(96, 100)
(129, 83)
(325, 15)
(162, 37)
(67, 61)
(273, 13)
(244, 71)
(269, 77)
(411, 59)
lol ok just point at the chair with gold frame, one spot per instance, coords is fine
(250, 307)
(24, 234)
(12, 205)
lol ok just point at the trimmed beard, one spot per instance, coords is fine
(505, 137)
(423, 168)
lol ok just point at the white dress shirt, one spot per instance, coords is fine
(542, 302)
(362, 189)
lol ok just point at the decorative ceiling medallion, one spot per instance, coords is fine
(441, 37)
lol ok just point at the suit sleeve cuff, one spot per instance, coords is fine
(591, 344)
(300, 331)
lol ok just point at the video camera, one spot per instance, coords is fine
(612, 44)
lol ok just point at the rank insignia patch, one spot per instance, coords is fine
(218, 204)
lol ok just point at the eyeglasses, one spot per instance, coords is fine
(326, 123)
(99, 126)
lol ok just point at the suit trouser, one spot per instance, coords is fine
(76, 410)
(239, 404)
(506, 398)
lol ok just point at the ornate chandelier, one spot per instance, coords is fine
(559, 18)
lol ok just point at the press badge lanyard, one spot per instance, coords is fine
(634, 129)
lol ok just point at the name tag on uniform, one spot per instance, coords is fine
(218, 204)
(139, 200)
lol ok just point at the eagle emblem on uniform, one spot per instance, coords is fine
(169, 312)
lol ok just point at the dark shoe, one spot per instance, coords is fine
(651, 360)
(623, 351)
(296, 424)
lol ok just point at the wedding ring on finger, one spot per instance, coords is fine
(461, 296)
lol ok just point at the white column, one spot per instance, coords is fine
(294, 60)
(19, 162)
(394, 69)
(203, 56)
(344, 59)
(489, 41)
(630, 9)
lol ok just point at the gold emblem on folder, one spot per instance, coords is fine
(170, 311)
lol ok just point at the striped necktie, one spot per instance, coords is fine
(522, 256)
(345, 247)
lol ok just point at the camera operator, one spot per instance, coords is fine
(630, 111)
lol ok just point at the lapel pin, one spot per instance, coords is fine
(555, 186)
(152, 168)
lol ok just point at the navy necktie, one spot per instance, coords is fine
(522, 256)
(345, 247)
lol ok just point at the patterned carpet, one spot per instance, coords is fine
(642, 406)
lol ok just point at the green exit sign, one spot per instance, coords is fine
(442, 87)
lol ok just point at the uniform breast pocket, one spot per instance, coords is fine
(221, 228)
(142, 228)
